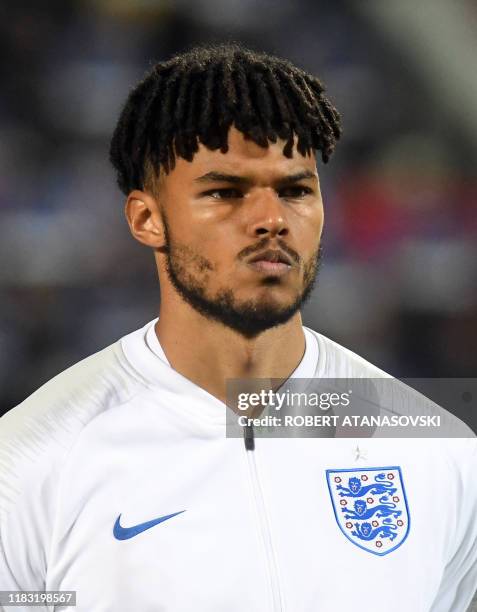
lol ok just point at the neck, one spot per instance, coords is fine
(208, 353)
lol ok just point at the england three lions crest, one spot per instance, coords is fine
(370, 507)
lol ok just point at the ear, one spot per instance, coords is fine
(144, 218)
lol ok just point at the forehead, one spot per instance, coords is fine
(244, 157)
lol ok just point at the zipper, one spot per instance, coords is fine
(265, 532)
(248, 437)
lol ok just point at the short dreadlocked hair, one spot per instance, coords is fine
(196, 96)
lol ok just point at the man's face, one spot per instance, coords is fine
(242, 232)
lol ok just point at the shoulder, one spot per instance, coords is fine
(35, 439)
(393, 397)
(336, 361)
(37, 434)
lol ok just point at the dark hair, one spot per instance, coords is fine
(197, 95)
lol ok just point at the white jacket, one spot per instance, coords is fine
(117, 482)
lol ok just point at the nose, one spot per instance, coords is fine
(266, 216)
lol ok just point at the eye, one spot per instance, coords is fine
(223, 194)
(295, 192)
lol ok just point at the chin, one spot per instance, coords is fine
(269, 307)
(279, 300)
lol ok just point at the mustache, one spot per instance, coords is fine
(265, 243)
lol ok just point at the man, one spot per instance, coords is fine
(118, 481)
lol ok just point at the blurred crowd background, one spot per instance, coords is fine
(399, 280)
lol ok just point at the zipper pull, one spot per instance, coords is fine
(248, 438)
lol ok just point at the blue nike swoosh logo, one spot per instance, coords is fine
(124, 533)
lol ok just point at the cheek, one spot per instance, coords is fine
(310, 230)
(215, 249)
(318, 218)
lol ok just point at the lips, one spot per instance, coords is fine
(272, 262)
(272, 256)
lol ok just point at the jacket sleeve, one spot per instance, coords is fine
(26, 507)
(459, 580)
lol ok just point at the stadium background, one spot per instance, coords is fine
(399, 279)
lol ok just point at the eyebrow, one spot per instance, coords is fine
(219, 177)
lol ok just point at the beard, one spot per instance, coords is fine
(189, 273)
